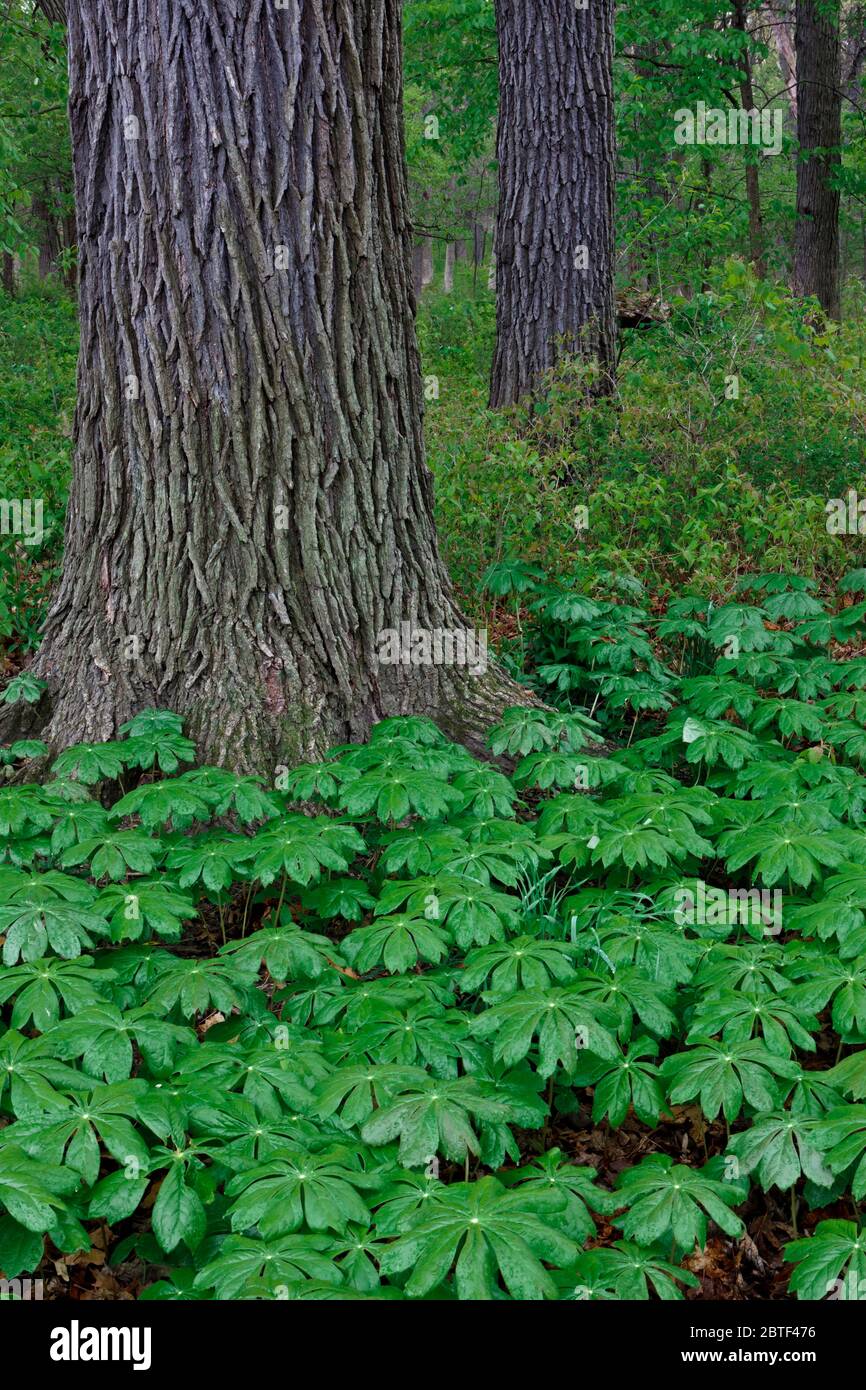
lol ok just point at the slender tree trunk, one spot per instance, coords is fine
(706, 248)
(9, 272)
(819, 127)
(46, 234)
(55, 10)
(555, 226)
(753, 184)
(479, 237)
(426, 262)
(448, 268)
(69, 234)
(782, 34)
(418, 269)
(250, 507)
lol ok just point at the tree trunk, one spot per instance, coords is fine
(250, 508)
(479, 238)
(753, 184)
(426, 262)
(448, 268)
(9, 273)
(781, 29)
(819, 127)
(46, 234)
(418, 269)
(68, 230)
(555, 226)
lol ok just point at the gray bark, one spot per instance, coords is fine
(555, 225)
(426, 262)
(250, 504)
(448, 268)
(819, 127)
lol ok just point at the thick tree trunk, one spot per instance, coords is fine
(250, 507)
(751, 155)
(819, 127)
(555, 226)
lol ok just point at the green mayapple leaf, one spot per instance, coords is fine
(484, 1233)
(145, 907)
(624, 1272)
(433, 1116)
(41, 987)
(781, 1147)
(627, 1081)
(31, 1191)
(559, 1022)
(579, 1186)
(322, 1190)
(830, 1263)
(249, 1267)
(726, 1075)
(302, 847)
(396, 944)
(669, 1201)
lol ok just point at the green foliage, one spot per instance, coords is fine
(446, 972)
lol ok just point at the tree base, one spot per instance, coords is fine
(256, 725)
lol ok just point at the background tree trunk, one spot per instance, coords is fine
(781, 34)
(426, 262)
(418, 269)
(47, 236)
(555, 226)
(819, 126)
(448, 267)
(751, 156)
(250, 506)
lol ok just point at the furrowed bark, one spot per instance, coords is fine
(250, 505)
(555, 225)
(819, 127)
